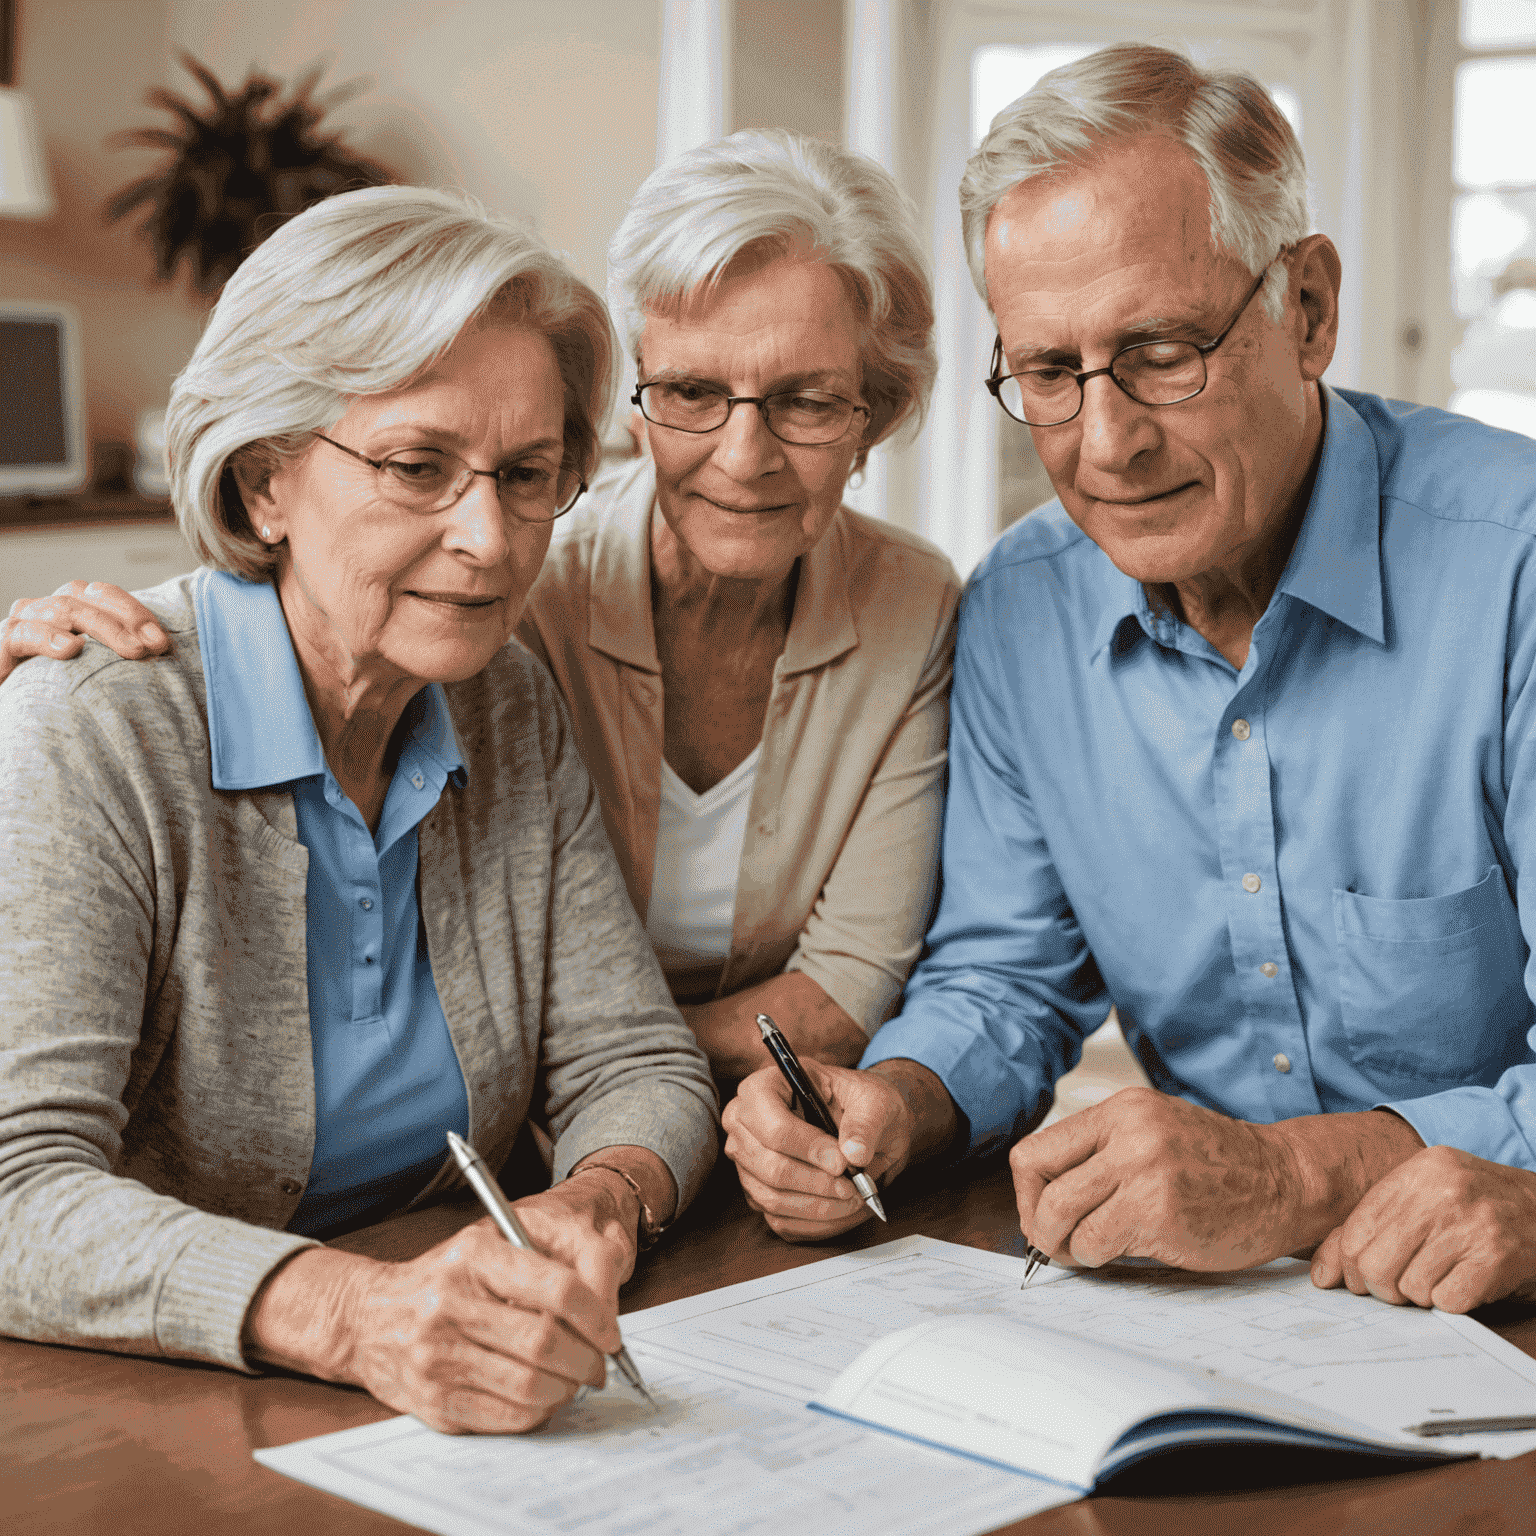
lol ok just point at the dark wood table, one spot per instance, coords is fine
(111, 1444)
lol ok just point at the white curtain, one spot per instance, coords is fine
(694, 103)
(872, 52)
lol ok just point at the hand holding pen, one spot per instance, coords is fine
(480, 1179)
(812, 1106)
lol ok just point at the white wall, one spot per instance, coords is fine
(541, 108)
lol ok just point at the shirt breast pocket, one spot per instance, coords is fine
(1431, 989)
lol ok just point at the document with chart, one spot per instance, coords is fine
(736, 1449)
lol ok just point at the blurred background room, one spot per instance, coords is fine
(1415, 116)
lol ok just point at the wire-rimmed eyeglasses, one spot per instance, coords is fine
(430, 479)
(1150, 372)
(804, 417)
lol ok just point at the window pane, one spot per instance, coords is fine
(1499, 408)
(1494, 142)
(1487, 228)
(1003, 72)
(1498, 23)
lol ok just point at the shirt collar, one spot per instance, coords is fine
(1336, 564)
(619, 609)
(260, 730)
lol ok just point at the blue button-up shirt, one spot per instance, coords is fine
(387, 1081)
(1305, 883)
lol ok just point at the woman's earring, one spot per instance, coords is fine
(266, 533)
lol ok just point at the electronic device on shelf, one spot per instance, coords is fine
(42, 400)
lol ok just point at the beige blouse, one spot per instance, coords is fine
(840, 863)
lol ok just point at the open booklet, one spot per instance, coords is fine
(1041, 1401)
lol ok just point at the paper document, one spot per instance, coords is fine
(736, 1451)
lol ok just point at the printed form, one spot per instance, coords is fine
(736, 1452)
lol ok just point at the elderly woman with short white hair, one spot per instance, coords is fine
(758, 675)
(329, 879)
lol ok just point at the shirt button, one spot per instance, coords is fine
(365, 904)
(1282, 1062)
(368, 959)
(418, 781)
(1241, 729)
(288, 1186)
(1270, 969)
(1251, 883)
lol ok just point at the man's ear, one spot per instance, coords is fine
(253, 479)
(1316, 273)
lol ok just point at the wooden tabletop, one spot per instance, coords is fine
(96, 1443)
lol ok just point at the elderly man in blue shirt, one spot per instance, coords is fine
(1241, 742)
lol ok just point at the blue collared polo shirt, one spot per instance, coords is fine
(1309, 883)
(387, 1081)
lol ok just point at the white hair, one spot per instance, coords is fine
(763, 193)
(356, 296)
(1227, 121)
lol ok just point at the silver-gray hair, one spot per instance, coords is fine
(763, 193)
(1227, 121)
(356, 296)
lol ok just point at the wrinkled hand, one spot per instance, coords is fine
(790, 1171)
(1150, 1175)
(1444, 1229)
(56, 626)
(475, 1336)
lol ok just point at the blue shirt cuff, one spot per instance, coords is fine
(1477, 1120)
(998, 1095)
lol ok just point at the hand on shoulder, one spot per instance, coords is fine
(57, 626)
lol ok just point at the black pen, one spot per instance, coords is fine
(816, 1110)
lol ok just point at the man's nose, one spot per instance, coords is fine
(1114, 430)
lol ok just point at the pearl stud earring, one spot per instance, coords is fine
(266, 533)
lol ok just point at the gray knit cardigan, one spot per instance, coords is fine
(157, 1108)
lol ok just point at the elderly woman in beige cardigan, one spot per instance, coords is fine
(282, 906)
(758, 675)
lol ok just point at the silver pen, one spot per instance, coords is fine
(816, 1111)
(473, 1167)
(1036, 1259)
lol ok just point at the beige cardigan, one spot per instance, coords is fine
(840, 862)
(157, 1110)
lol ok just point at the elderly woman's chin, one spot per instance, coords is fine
(443, 637)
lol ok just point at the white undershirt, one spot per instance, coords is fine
(698, 858)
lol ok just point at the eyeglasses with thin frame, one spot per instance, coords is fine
(803, 417)
(1150, 372)
(430, 479)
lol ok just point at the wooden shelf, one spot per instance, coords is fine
(82, 510)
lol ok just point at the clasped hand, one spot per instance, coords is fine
(474, 1336)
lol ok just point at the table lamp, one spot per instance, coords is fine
(25, 192)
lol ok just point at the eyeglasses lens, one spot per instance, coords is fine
(804, 417)
(1151, 373)
(429, 480)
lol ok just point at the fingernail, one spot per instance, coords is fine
(152, 634)
(830, 1160)
(856, 1152)
(60, 642)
